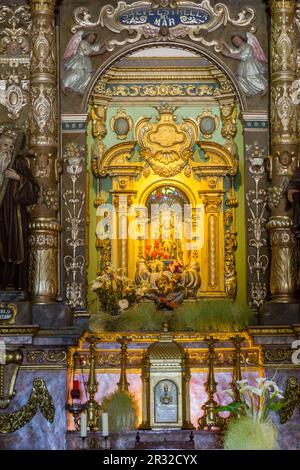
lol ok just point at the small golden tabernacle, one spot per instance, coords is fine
(166, 376)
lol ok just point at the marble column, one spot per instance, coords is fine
(44, 226)
(284, 145)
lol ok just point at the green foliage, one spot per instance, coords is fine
(122, 411)
(211, 315)
(202, 315)
(247, 434)
(142, 317)
(234, 408)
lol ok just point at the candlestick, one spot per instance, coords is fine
(83, 425)
(105, 432)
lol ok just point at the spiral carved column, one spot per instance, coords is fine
(44, 227)
(284, 145)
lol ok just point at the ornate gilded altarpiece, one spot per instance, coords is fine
(110, 99)
(144, 129)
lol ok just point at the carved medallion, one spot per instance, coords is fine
(166, 146)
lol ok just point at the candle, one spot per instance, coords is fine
(105, 432)
(75, 385)
(83, 424)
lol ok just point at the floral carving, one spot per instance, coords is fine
(74, 200)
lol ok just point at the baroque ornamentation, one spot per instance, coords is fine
(44, 111)
(44, 227)
(250, 357)
(278, 355)
(9, 368)
(229, 127)
(256, 198)
(170, 90)
(43, 242)
(42, 166)
(51, 356)
(283, 279)
(39, 400)
(74, 202)
(48, 197)
(284, 141)
(15, 27)
(43, 57)
(99, 131)
(283, 36)
(121, 124)
(291, 398)
(208, 123)
(230, 249)
(166, 146)
(143, 19)
(284, 114)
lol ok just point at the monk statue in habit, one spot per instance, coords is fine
(18, 190)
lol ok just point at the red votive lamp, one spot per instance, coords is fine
(75, 392)
(75, 384)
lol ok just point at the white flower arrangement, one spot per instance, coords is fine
(255, 402)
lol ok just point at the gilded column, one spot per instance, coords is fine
(44, 227)
(284, 142)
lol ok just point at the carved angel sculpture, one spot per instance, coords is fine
(77, 61)
(252, 70)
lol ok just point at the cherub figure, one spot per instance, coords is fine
(251, 73)
(77, 61)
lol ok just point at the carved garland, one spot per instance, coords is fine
(39, 399)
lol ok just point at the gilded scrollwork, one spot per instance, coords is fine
(51, 356)
(197, 357)
(228, 111)
(74, 203)
(121, 124)
(291, 399)
(191, 20)
(278, 355)
(99, 131)
(230, 237)
(170, 90)
(166, 146)
(39, 399)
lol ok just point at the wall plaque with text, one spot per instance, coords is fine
(8, 313)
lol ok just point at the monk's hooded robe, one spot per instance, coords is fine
(15, 196)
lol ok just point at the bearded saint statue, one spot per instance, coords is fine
(18, 190)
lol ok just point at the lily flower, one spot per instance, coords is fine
(254, 390)
(229, 392)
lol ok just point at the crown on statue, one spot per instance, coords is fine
(10, 130)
